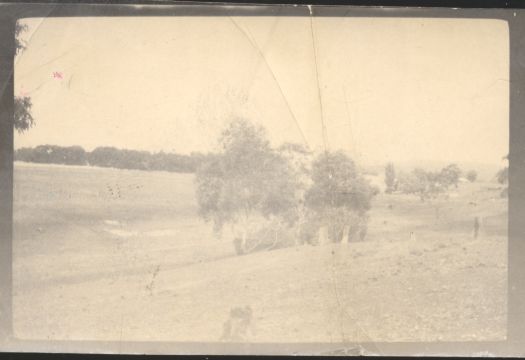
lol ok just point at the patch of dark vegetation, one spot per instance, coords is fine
(107, 156)
(276, 197)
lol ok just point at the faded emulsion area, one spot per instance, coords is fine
(291, 180)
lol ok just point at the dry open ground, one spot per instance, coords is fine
(105, 254)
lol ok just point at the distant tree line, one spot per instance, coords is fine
(424, 183)
(111, 157)
(429, 184)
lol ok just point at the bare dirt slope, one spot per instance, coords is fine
(109, 254)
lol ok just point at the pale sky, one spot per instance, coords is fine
(391, 89)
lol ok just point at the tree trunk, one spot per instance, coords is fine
(322, 235)
(240, 231)
(244, 240)
(346, 232)
(297, 236)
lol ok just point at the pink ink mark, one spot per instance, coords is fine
(57, 74)
(23, 93)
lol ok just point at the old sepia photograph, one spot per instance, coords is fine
(260, 179)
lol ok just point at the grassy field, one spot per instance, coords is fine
(104, 254)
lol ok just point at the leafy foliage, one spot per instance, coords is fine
(472, 175)
(124, 159)
(503, 178)
(52, 154)
(339, 196)
(503, 175)
(390, 178)
(337, 183)
(246, 180)
(23, 120)
(108, 156)
(425, 184)
(19, 29)
(22, 114)
(299, 158)
(429, 184)
(450, 175)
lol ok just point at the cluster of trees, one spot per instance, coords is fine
(425, 184)
(110, 157)
(429, 184)
(471, 175)
(23, 119)
(271, 195)
(144, 160)
(52, 154)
